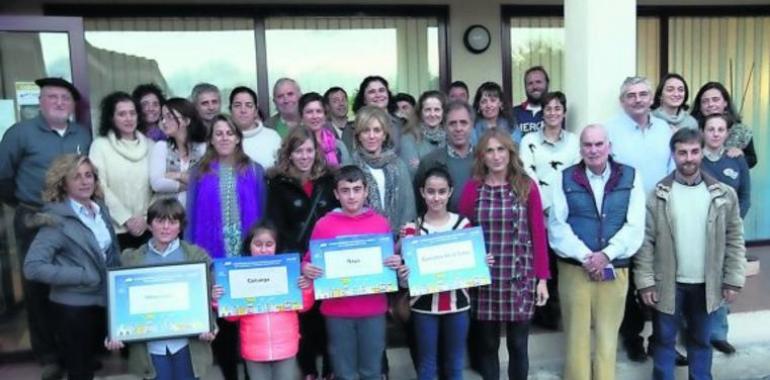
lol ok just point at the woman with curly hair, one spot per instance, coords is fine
(71, 252)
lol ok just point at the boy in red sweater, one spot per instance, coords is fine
(355, 325)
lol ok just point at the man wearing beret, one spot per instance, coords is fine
(26, 151)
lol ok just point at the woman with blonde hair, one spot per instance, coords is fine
(71, 252)
(390, 186)
(505, 202)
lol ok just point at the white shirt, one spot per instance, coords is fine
(622, 245)
(379, 177)
(92, 219)
(261, 145)
(547, 158)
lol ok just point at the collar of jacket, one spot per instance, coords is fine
(580, 177)
(663, 188)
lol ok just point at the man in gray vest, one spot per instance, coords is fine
(595, 226)
(26, 151)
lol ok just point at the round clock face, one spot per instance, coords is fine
(477, 39)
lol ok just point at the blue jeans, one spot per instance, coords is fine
(453, 330)
(177, 366)
(690, 305)
(356, 346)
(719, 326)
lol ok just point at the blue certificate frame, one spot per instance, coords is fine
(446, 261)
(159, 301)
(353, 266)
(258, 284)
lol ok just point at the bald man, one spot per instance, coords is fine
(595, 226)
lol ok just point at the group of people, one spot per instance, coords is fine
(641, 212)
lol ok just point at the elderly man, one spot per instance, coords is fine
(692, 259)
(286, 94)
(595, 226)
(27, 150)
(529, 114)
(640, 140)
(457, 156)
(207, 101)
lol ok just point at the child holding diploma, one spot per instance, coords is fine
(438, 317)
(355, 324)
(269, 341)
(176, 358)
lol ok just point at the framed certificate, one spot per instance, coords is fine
(154, 302)
(353, 266)
(446, 261)
(258, 284)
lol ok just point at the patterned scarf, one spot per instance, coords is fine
(387, 161)
(435, 136)
(328, 145)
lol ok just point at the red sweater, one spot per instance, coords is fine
(338, 224)
(467, 208)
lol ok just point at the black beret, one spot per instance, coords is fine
(59, 82)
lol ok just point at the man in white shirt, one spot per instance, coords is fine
(595, 226)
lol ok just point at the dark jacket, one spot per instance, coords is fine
(289, 207)
(66, 255)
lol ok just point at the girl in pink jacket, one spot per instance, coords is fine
(269, 341)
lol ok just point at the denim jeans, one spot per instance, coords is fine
(356, 346)
(517, 342)
(690, 305)
(719, 325)
(449, 329)
(176, 366)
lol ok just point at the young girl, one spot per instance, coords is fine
(438, 317)
(269, 341)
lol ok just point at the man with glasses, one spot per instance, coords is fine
(641, 141)
(27, 150)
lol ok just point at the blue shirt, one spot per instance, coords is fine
(172, 254)
(93, 220)
(645, 149)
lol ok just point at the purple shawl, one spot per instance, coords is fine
(204, 226)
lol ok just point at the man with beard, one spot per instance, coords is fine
(692, 259)
(529, 114)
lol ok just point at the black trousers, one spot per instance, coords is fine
(82, 330)
(42, 330)
(634, 317)
(517, 342)
(225, 349)
(312, 343)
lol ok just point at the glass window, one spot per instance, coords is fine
(733, 51)
(540, 41)
(175, 53)
(321, 52)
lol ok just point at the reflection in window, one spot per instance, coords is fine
(321, 52)
(175, 53)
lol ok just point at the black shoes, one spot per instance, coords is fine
(681, 360)
(723, 346)
(635, 351)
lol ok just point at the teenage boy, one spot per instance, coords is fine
(355, 325)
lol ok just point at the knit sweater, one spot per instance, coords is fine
(124, 174)
(681, 120)
(338, 224)
(261, 144)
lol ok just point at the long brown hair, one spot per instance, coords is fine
(516, 176)
(241, 159)
(296, 137)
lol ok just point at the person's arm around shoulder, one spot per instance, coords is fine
(644, 259)
(735, 248)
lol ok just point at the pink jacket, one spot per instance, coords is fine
(271, 336)
(337, 224)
